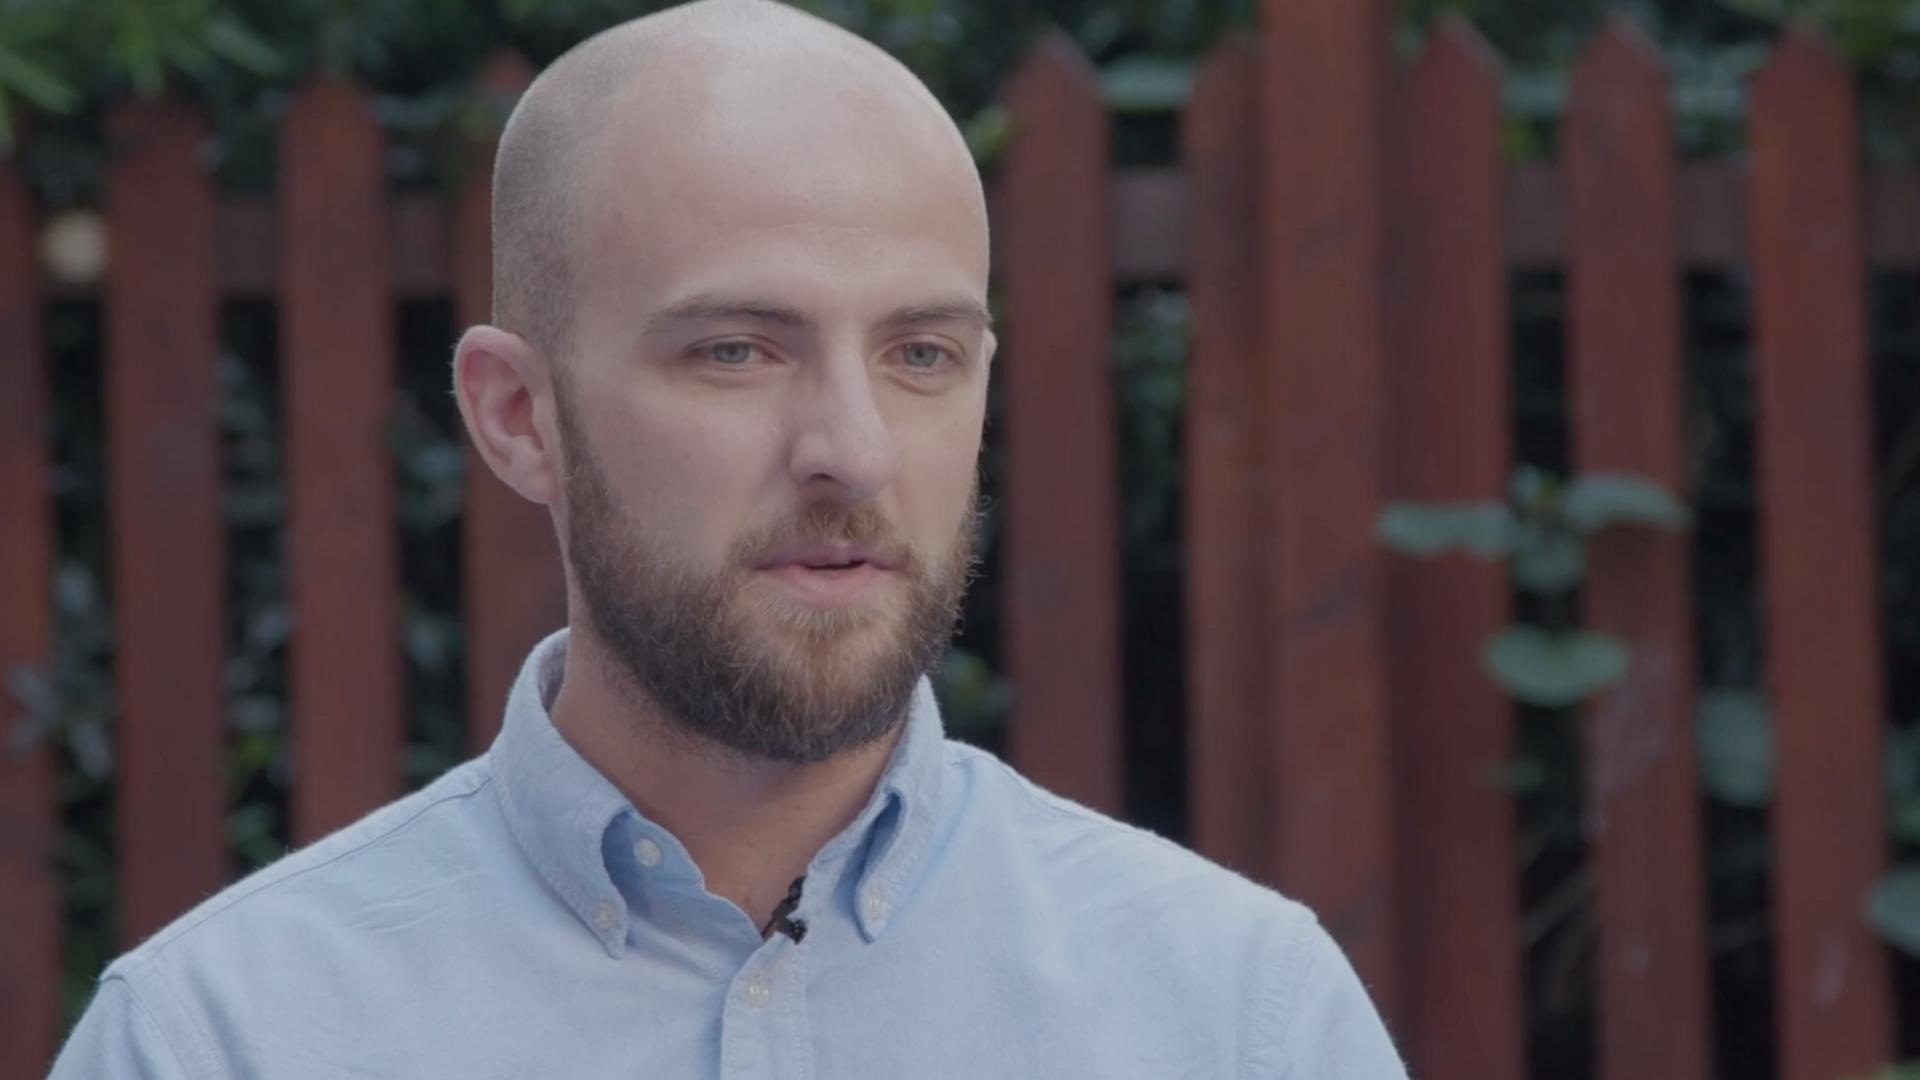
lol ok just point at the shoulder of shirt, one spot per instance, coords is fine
(1130, 853)
(327, 855)
(1236, 940)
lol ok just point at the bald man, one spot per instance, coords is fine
(740, 353)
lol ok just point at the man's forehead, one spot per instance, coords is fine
(744, 165)
(774, 116)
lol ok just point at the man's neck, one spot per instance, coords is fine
(751, 827)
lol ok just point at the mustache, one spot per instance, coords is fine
(863, 524)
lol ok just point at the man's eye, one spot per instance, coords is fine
(731, 353)
(922, 355)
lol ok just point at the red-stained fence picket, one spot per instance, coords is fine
(1818, 554)
(1062, 550)
(337, 356)
(1322, 141)
(1228, 679)
(1627, 395)
(1448, 400)
(163, 479)
(29, 816)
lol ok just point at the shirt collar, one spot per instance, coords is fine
(559, 808)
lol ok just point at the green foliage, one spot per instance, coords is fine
(1553, 670)
(1542, 534)
(1712, 50)
(1736, 743)
(1486, 530)
(1146, 84)
(29, 31)
(1599, 500)
(1894, 909)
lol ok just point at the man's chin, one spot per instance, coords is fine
(775, 608)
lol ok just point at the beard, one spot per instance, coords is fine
(734, 662)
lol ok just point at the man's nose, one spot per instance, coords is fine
(843, 442)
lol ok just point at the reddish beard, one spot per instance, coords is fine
(757, 674)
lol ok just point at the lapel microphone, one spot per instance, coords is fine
(783, 918)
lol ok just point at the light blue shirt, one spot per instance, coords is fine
(518, 918)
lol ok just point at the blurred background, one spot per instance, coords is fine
(1457, 461)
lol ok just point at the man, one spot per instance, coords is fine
(741, 353)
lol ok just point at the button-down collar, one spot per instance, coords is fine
(560, 809)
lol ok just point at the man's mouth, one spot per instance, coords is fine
(834, 567)
(832, 556)
(830, 583)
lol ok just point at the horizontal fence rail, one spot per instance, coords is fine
(1152, 217)
(1345, 229)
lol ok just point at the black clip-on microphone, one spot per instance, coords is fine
(783, 918)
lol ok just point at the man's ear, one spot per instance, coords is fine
(498, 378)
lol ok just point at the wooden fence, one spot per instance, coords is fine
(1346, 230)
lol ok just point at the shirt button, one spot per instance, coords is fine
(605, 915)
(647, 851)
(758, 992)
(873, 906)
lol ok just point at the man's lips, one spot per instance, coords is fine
(831, 555)
(832, 573)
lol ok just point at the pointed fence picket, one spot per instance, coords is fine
(1061, 551)
(1627, 394)
(1324, 84)
(29, 815)
(1448, 406)
(337, 354)
(1227, 548)
(1818, 552)
(163, 481)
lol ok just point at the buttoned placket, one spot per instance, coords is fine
(764, 1026)
(764, 1031)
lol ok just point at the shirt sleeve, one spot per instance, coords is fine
(1316, 1021)
(117, 1037)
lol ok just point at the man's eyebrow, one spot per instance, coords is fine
(715, 307)
(711, 307)
(958, 309)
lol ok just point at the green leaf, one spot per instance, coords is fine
(1736, 747)
(1905, 820)
(1482, 529)
(1548, 560)
(1147, 84)
(969, 692)
(140, 58)
(987, 133)
(1903, 764)
(1893, 907)
(1553, 670)
(1594, 501)
(35, 83)
(1533, 489)
(230, 38)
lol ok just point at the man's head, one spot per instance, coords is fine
(740, 280)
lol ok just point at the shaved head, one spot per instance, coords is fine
(681, 74)
(740, 350)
